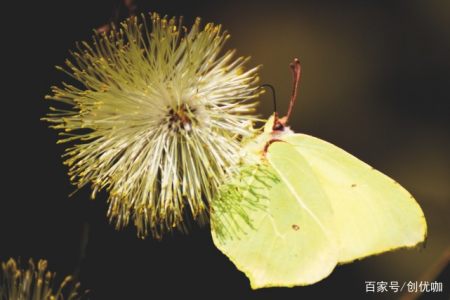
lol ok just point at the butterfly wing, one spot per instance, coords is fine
(291, 240)
(373, 213)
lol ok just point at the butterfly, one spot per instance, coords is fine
(326, 208)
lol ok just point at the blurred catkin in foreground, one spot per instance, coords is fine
(35, 283)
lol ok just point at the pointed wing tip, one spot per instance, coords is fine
(419, 244)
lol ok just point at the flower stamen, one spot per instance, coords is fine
(156, 121)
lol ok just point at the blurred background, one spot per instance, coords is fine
(375, 81)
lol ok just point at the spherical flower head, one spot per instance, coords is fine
(156, 119)
(35, 283)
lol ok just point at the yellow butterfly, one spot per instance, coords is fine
(327, 208)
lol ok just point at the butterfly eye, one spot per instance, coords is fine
(278, 126)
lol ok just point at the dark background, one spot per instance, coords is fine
(375, 82)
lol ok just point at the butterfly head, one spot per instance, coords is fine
(276, 128)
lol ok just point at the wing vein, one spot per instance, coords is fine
(298, 198)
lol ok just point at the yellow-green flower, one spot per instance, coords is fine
(155, 118)
(35, 283)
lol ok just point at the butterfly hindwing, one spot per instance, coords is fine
(291, 241)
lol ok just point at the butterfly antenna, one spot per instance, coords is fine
(274, 97)
(296, 72)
